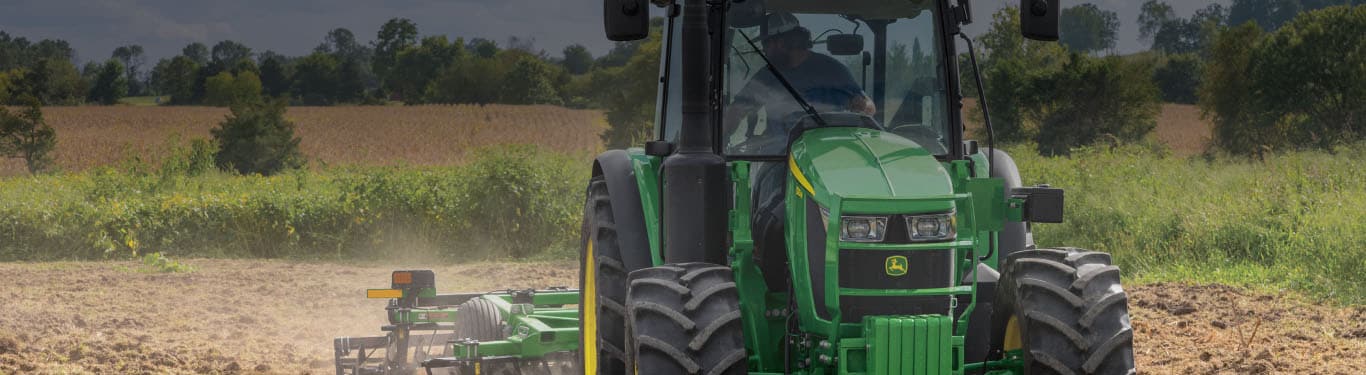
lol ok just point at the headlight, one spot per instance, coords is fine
(863, 228)
(929, 228)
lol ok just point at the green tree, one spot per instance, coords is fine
(342, 43)
(7, 83)
(628, 92)
(227, 54)
(419, 66)
(110, 84)
(577, 59)
(1177, 36)
(54, 81)
(196, 52)
(472, 79)
(256, 139)
(1151, 16)
(397, 35)
(176, 77)
(1269, 14)
(1094, 100)
(1225, 91)
(1087, 28)
(483, 47)
(1178, 78)
(315, 79)
(25, 135)
(350, 82)
(1309, 78)
(528, 82)
(1012, 65)
(226, 89)
(133, 59)
(275, 78)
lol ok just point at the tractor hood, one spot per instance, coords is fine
(848, 161)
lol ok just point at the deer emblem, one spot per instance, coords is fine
(896, 265)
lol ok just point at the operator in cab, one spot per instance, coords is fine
(825, 83)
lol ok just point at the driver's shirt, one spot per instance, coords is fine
(824, 82)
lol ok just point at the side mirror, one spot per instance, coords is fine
(844, 44)
(626, 20)
(1039, 19)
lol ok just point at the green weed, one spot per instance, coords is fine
(1293, 221)
(514, 201)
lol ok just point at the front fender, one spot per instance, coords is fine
(615, 167)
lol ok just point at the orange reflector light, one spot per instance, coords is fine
(383, 293)
(401, 278)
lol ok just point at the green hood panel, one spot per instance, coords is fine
(846, 161)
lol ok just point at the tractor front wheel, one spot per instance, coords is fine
(1065, 313)
(685, 319)
(602, 287)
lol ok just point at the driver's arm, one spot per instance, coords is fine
(744, 104)
(862, 104)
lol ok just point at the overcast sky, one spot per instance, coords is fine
(293, 27)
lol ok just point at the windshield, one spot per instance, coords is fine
(880, 71)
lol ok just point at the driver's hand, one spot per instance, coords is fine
(862, 104)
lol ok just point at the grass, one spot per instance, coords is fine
(90, 137)
(1294, 221)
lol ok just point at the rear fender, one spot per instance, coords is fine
(615, 167)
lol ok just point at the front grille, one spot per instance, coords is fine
(867, 269)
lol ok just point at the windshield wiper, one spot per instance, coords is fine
(811, 111)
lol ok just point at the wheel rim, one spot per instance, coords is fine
(589, 322)
(1013, 340)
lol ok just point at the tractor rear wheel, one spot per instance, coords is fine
(479, 319)
(602, 287)
(685, 319)
(1065, 311)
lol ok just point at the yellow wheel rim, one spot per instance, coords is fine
(1012, 341)
(589, 338)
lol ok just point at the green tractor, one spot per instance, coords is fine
(790, 218)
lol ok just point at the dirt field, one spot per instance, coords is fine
(234, 316)
(372, 135)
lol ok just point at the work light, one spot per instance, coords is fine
(934, 227)
(863, 228)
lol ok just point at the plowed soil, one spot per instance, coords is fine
(240, 316)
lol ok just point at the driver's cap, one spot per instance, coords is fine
(781, 22)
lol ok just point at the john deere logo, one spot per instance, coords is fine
(896, 265)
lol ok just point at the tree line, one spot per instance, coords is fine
(1270, 74)
(397, 65)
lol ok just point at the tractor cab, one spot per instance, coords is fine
(873, 64)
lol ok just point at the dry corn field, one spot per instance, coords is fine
(374, 135)
(413, 135)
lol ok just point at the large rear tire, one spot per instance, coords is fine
(602, 287)
(1065, 310)
(685, 319)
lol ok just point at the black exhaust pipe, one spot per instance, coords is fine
(696, 192)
